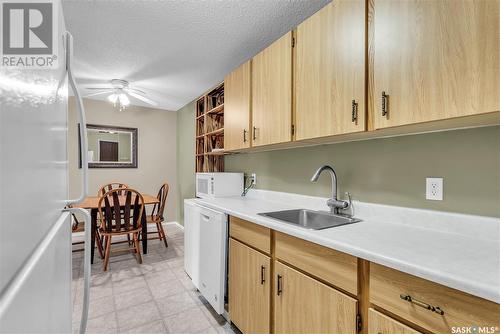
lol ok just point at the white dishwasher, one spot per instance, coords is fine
(213, 259)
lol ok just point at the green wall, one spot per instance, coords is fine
(185, 157)
(392, 170)
(389, 170)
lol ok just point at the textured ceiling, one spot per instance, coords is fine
(174, 49)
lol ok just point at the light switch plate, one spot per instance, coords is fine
(434, 188)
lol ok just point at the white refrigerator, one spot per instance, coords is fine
(35, 227)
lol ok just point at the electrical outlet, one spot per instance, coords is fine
(434, 188)
(254, 177)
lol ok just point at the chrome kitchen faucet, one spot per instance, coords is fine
(334, 203)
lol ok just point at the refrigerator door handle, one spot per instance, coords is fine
(82, 119)
(86, 267)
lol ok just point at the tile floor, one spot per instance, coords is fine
(154, 297)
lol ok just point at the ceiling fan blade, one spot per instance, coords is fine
(99, 93)
(142, 98)
(98, 88)
(135, 90)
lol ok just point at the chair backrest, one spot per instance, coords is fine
(110, 186)
(120, 210)
(159, 208)
(75, 224)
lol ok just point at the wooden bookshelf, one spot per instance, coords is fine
(209, 120)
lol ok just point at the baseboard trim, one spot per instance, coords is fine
(174, 223)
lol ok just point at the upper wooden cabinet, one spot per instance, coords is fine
(355, 69)
(272, 93)
(237, 87)
(330, 71)
(305, 305)
(433, 60)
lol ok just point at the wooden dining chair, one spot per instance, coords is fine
(110, 186)
(77, 226)
(156, 216)
(120, 212)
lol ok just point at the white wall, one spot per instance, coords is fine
(156, 150)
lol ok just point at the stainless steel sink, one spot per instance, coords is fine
(313, 220)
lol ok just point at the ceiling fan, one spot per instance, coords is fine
(119, 92)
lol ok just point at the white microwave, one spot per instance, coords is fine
(218, 184)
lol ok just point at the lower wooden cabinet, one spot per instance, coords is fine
(431, 306)
(253, 235)
(249, 288)
(382, 324)
(305, 305)
(333, 267)
(267, 294)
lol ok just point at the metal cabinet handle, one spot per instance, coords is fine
(410, 299)
(262, 275)
(385, 104)
(354, 111)
(280, 285)
(82, 119)
(254, 133)
(244, 135)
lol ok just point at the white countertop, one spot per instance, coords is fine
(455, 250)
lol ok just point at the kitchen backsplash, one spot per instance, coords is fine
(391, 170)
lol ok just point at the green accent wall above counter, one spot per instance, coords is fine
(391, 170)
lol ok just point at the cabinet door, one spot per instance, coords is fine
(382, 324)
(249, 288)
(434, 59)
(237, 108)
(304, 305)
(330, 71)
(272, 93)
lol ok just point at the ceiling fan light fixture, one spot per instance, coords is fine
(124, 100)
(113, 98)
(120, 93)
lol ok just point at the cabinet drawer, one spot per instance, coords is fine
(388, 287)
(336, 268)
(251, 234)
(379, 323)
